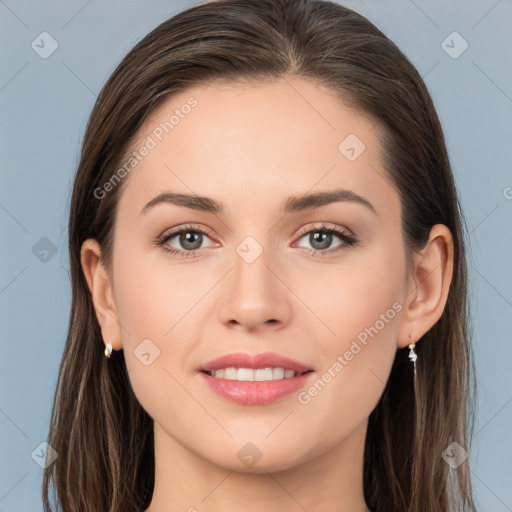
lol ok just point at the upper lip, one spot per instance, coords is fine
(254, 361)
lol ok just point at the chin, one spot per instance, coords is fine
(244, 456)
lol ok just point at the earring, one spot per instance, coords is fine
(412, 355)
(108, 349)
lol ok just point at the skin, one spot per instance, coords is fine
(251, 147)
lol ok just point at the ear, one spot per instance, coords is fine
(428, 285)
(100, 286)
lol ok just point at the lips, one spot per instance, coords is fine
(254, 361)
(253, 392)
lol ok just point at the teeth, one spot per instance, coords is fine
(250, 375)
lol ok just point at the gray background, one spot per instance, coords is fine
(45, 104)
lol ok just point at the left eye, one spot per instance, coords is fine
(320, 239)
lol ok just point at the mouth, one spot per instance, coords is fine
(254, 379)
(254, 375)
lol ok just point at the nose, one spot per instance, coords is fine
(254, 296)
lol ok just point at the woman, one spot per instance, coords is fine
(214, 361)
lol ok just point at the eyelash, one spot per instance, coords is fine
(348, 239)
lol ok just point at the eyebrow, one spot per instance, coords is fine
(292, 204)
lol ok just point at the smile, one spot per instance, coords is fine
(253, 375)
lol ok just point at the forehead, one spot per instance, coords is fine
(241, 142)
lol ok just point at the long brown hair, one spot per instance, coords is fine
(103, 437)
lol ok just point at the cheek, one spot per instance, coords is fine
(355, 299)
(158, 306)
(153, 311)
(153, 298)
(364, 314)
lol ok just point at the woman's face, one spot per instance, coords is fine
(266, 277)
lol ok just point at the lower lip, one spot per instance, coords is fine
(255, 393)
